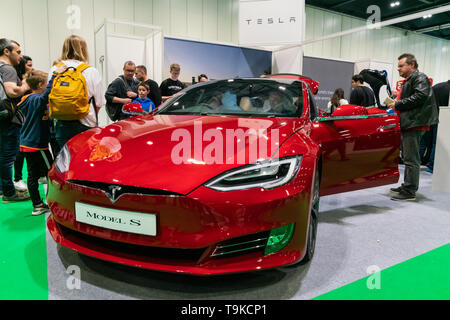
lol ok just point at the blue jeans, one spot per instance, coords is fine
(66, 130)
(9, 147)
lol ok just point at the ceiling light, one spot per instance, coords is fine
(427, 16)
(395, 4)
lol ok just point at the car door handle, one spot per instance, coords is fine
(387, 127)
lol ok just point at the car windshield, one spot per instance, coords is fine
(253, 97)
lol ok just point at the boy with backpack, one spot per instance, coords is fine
(35, 133)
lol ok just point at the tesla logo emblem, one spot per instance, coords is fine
(114, 193)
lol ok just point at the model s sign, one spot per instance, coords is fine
(271, 22)
(137, 223)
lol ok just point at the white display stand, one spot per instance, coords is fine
(119, 41)
(441, 174)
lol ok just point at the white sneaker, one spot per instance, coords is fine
(41, 209)
(43, 180)
(20, 186)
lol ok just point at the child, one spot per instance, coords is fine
(143, 100)
(35, 133)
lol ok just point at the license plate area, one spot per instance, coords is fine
(119, 220)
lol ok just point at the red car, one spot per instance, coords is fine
(225, 177)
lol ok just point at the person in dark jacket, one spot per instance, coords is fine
(418, 112)
(35, 133)
(361, 95)
(122, 91)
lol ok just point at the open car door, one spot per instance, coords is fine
(359, 150)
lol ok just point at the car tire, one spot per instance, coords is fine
(313, 221)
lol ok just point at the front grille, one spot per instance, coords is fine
(136, 252)
(242, 245)
(124, 189)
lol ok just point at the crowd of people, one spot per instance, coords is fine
(418, 107)
(29, 131)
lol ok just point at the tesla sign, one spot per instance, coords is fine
(271, 22)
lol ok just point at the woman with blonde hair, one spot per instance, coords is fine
(75, 53)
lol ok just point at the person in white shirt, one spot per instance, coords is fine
(337, 100)
(74, 53)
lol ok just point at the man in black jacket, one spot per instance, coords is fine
(121, 91)
(418, 112)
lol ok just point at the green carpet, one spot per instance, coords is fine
(425, 277)
(23, 252)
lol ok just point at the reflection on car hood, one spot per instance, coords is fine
(147, 151)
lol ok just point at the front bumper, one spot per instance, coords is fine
(190, 228)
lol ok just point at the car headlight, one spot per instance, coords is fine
(62, 161)
(268, 175)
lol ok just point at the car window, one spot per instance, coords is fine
(259, 98)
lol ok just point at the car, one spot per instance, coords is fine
(224, 177)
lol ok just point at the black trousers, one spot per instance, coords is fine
(35, 162)
(18, 166)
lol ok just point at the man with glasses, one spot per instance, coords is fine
(121, 91)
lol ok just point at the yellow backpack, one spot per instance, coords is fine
(68, 99)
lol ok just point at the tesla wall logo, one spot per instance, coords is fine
(271, 22)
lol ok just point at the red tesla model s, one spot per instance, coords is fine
(224, 177)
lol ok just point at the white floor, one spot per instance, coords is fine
(357, 230)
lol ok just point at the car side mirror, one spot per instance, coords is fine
(349, 110)
(134, 109)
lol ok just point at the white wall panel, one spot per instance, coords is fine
(210, 20)
(225, 16)
(37, 48)
(11, 23)
(57, 23)
(124, 10)
(195, 18)
(178, 17)
(103, 9)
(161, 15)
(87, 25)
(143, 11)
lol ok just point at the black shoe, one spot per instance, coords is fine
(397, 190)
(404, 196)
(16, 197)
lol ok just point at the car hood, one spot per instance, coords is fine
(176, 153)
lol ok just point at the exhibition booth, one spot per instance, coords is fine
(129, 222)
